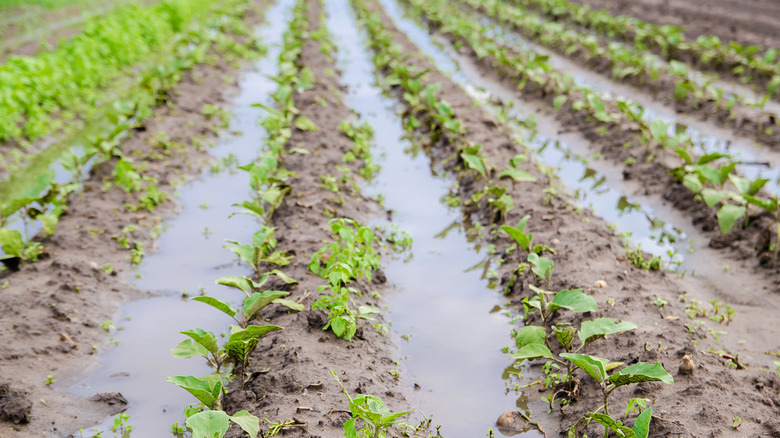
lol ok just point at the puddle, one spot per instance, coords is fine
(190, 258)
(454, 341)
(706, 136)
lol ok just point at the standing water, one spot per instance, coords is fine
(454, 340)
(190, 259)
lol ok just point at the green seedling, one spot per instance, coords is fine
(375, 415)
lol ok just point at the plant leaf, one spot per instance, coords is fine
(592, 365)
(574, 300)
(565, 335)
(208, 424)
(613, 424)
(217, 304)
(532, 351)
(189, 348)
(475, 162)
(530, 334)
(600, 327)
(641, 372)
(728, 215)
(248, 422)
(517, 175)
(257, 301)
(305, 124)
(642, 423)
(204, 338)
(206, 389)
(290, 304)
(242, 283)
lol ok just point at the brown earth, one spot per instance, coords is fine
(702, 405)
(51, 310)
(747, 22)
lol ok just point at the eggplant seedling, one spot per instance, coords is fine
(375, 415)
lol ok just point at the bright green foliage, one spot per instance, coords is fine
(374, 413)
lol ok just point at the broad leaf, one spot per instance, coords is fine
(641, 372)
(290, 304)
(242, 283)
(517, 175)
(530, 334)
(728, 215)
(532, 351)
(594, 366)
(283, 276)
(189, 348)
(575, 300)
(208, 424)
(305, 124)
(257, 301)
(642, 423)
(600, 327)
(204, 338)
(541, 266)
(206, 389)
(217, 304)
(11, 242)
(475, 162)
(248, 422)
(713, 197)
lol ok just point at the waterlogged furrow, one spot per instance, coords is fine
(649, 152)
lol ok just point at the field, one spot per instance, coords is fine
(370, 218)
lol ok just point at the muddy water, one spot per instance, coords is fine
(190, 258)
(453, 351)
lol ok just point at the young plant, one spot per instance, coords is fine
(373, 412)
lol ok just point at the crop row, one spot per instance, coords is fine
(33, 196)
(712, 178)
(707, 51)
(532, 341)
(348, 255)
(673, 81)
(34, 89)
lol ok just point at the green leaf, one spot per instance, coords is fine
(220, 305)
(305, 124)
(257, 301)
(541, 266)
(615, 425)
(565, 336)
(475, 162)
(248, 422)
(692, 182)
(350, 431)
(530, 334)
(49, 222)
(713, 197)
(242, 283)
(290, 304)
(283, 276)
(769, 205)
(559, 101)
(600, 327)
(246, 253)
(641, 372)
(574, 300)
(11, 242)
(594, 366)
(208, 424)
(659, 129)
(204, 338)
(517, 175)
(189, 348)
(642, 423)
(728, 215)
(532, 351)
(206, 389)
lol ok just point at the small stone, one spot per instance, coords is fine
(511, 423)
(686, 365)
(600, 284)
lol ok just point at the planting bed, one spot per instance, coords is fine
(255, 232)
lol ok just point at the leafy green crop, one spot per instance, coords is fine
(375, 415)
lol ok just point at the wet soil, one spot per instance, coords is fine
(52, 311)
(586, 252)
(293, 367)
